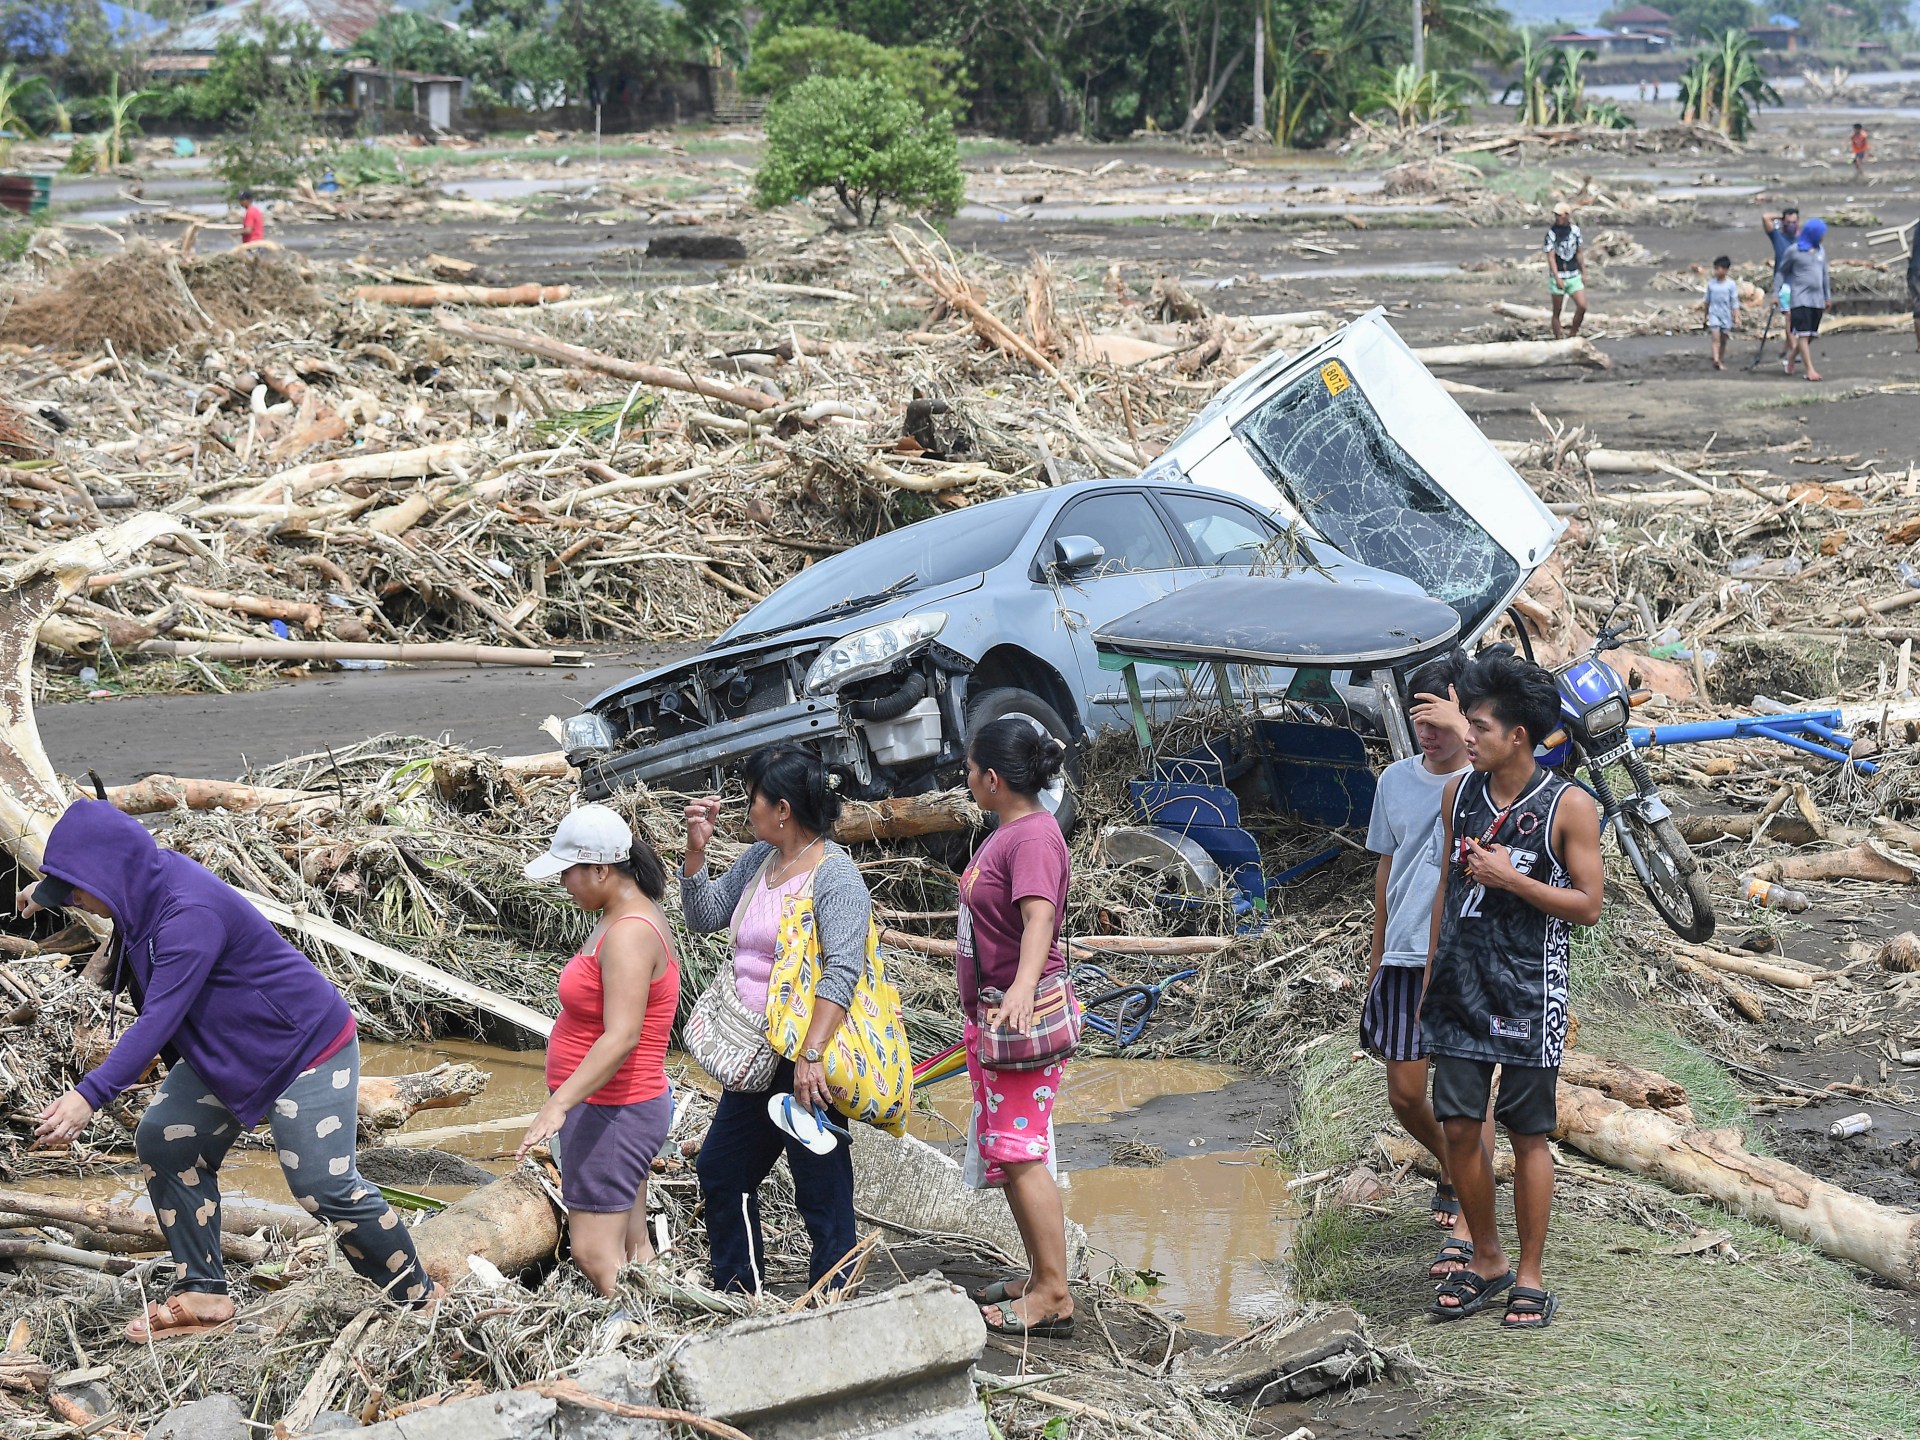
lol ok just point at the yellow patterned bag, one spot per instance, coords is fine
(869, 1065)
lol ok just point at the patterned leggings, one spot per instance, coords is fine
(186, 1133)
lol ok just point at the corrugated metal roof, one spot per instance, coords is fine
(340, 22)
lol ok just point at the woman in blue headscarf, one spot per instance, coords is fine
(1804, 268)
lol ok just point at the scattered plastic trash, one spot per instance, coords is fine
(1775, 897)
(1850, 1125)
(361, 664)
(184, 148)
(88, 674)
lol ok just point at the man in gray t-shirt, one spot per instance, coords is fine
(1405, 832)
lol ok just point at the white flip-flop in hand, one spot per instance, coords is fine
(815, 1131)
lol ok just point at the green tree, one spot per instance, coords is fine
(928, 75)
(14, 89)
(275, 63)
(116, 109)
(1411, 98)
(1726, 86)
(1534, 60)
(1705, 19)
(863, 140)
(614, 41)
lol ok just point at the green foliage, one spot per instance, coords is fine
(865, 141)
(1705, 19)
(614, 40)
(928, 75)
(117, 111)
(365, 164)
(281, 66)
(83, 158)
(1553, 91)
(1411, 99)
(14, 89)
(1725, 86)
(271, 151)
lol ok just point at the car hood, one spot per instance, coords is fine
(822, 632)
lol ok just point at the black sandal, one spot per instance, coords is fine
(1535, 1307)
(1446, 1203)
(1456, 1254)
(1473, 1291)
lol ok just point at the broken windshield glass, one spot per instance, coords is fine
(1322, 443)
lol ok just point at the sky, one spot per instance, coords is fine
(1587, 12)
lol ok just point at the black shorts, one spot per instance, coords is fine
(1805, 319)
(1526, 1105)
(1390, 1018)
(1913, 290)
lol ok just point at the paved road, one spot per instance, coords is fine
(220, 736)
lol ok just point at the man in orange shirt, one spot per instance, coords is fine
(253, 221)
(1859, 147)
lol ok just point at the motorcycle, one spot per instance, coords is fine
(1595, 706)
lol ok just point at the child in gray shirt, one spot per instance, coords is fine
(1723, 308)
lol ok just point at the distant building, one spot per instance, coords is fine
(339, 23)
(1641, 20)
(1608, 42)
(1775, 36)
(436, 99)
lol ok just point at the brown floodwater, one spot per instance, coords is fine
(1202, 1234)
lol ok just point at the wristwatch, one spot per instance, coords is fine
(811, 1054)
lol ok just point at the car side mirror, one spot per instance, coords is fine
(1077, 552)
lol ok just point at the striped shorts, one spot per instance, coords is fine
(1389, 1021)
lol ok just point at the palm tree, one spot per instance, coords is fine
(12, 92)
(1694, 83)
(1569, 86)
(1742, 85)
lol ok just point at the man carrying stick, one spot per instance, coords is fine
(1523, 847)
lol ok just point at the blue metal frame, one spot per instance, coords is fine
(1791, 730)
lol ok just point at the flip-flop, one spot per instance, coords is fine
(1445, 1202)
(1456, 1253)
(1474, 1292)
(1054, 1327)
(815, 1130)
(996, 1293)
(1526, 1301)
(173, 1322)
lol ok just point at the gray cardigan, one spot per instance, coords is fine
(841, 907)
(1806, 272)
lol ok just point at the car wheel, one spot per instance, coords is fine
(1062, 797)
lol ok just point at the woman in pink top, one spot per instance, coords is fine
(1012, 897)
(611, 1105)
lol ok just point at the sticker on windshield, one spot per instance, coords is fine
(1334, 374)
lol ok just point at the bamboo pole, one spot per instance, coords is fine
(529, 343)
(1517, 354)
(158, 793)
(425, 297)
(1095, 945)
(1744, 965)
(327, 651)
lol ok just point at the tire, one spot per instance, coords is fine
(1675, 885)
(1063, 797)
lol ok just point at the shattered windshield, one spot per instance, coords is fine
(933, 552)
(1322, 443)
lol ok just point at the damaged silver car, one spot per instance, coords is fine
(1348, 463)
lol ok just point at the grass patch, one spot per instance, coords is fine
(1652, 1346)
(458, 159)
(977, 147)
(1808, 397)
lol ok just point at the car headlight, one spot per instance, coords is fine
(586, 733)
(866, 653)
(1607, 715)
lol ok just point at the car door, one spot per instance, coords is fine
(1139, 561)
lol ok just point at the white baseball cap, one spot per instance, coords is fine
(591, 835)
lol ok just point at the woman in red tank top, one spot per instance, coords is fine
(611, 1105)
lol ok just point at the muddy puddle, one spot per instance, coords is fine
(1199, 1229)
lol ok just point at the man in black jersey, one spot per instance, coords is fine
(1523, 868)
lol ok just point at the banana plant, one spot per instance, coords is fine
(118, 111)
(1534, 60)
(14, 88)
(1742, 86)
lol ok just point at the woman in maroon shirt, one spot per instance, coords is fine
(1012, 896)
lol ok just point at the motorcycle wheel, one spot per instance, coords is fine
(1672, 880)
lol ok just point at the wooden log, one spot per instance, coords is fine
(12, 1248)
(159, 793)
(1541, 315)
(325, 651)
(1629, 1084)
(1869, 860)
(386, 1102)
(425, 297)
(905, 816)
(1404, 1150)
(70, 635)
(236, 1221)
(1698, 829)
(266, 607)
(398, 519)
(1879, 1238)
(510, 1223)
(1517, 354)
(1746, 965)
(529, 343)
(302, 480)
(1742, 998)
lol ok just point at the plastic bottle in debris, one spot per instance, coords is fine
(1666, 645)
(1775, 897)
(1909, 577)
(1850, 1125)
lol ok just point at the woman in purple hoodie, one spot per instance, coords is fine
(250, 1031)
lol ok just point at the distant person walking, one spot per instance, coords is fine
(1781, 231)
(1566, 268)
(1723, 308)
(1805, 271)
(1859, 147)
(253, 220)
(1913, 280)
